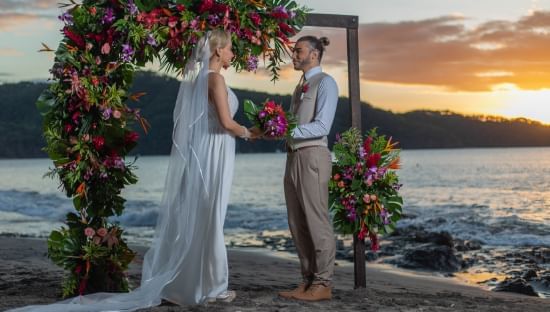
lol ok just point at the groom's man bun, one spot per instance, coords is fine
(318, 44)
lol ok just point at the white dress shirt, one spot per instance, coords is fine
(327, 99)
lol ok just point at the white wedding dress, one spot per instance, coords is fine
(187, 260)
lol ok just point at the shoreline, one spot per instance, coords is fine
(28, 277)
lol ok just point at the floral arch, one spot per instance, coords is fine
(88, 122)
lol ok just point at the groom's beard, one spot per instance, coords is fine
(300, 65)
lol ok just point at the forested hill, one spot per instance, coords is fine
(21, 125)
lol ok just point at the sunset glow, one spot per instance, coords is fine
(488, 57)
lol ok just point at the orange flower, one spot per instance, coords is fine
(395, 164)
(81, 188)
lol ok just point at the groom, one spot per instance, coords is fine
(308, 170)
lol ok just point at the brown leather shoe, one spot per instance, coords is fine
(290, 293)
(316, 292)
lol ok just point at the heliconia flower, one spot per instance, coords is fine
(373, 159)
(89, 232)
(77, 39)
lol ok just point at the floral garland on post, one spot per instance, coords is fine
(88, 125)
(364, 188)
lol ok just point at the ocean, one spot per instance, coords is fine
(497, 196)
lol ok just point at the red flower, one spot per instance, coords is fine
(180, 7)
(367, 145)
(75, 117)
(77, 39)
(68, 128)
(131, 137)
(305, 88)
(98, 142)
(374, 243)
(255, 18)
(363, 232)
(206, 5)
(286, 29)
(372, 160)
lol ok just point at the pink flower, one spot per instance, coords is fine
(106, 48)
(366, 198)
(131, 137)
(117, 114)
(89, 232)
(102, 232)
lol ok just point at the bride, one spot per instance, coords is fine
(187, 261)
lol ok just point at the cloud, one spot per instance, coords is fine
(10, 21)
(442, 52)
(10, 52)
(28, 4)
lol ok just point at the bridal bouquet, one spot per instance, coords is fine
(271, 118)
(364, 188)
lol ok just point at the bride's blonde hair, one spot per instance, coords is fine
(219, 38)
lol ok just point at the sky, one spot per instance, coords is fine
(487, 57)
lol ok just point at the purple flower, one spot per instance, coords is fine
(151, 40)
(362, 152)
(338, 137)
(252, 63)
(107, 113)
(109, 16)
(397, 186)
(104, 175)
(127, 52)
(213, 20)
(132, 8)
(262, 114)
(66, 18)
(385, 216)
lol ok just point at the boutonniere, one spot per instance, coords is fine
(305, 87)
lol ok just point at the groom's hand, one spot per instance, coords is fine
(255, 133)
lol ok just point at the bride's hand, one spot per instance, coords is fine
(255, 133)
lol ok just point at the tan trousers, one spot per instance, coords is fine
(307, 173)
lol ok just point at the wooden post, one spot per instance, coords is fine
(351, 23)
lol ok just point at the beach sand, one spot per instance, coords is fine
(27, 277)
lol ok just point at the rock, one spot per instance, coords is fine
(441, 238)
(529, 275)
(517, 285)
(429, 257)
(467, 245)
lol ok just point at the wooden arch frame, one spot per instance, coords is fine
(351, 24)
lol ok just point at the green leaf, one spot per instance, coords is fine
(45, 102)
